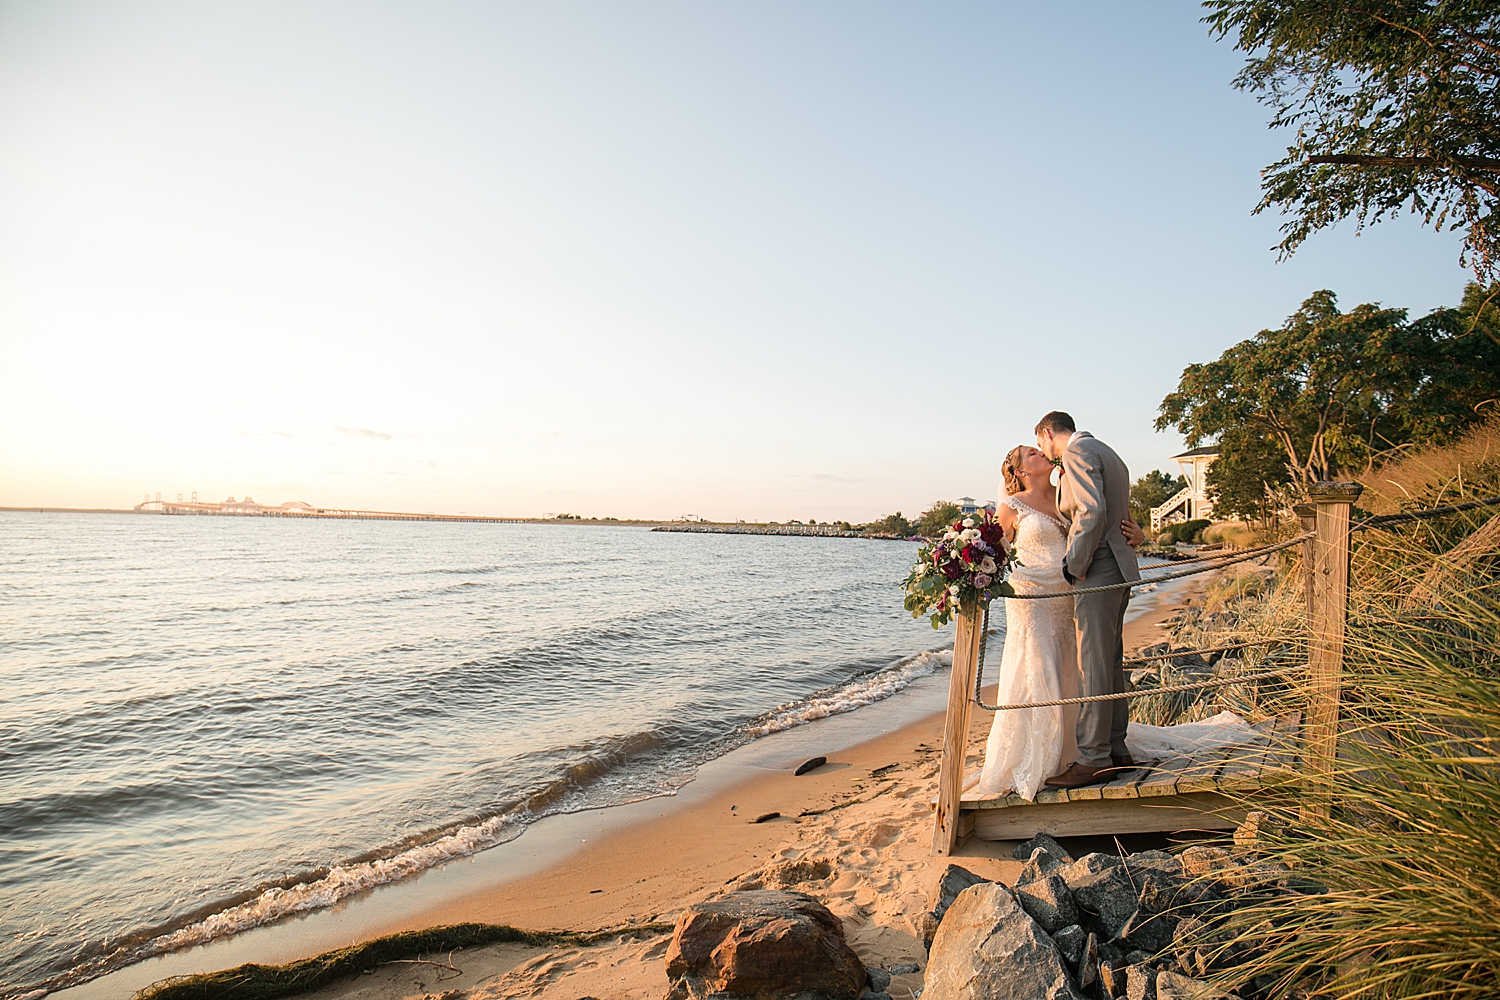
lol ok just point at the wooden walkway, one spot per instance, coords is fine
(1179, 794)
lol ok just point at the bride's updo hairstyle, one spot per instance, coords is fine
(1010, 471)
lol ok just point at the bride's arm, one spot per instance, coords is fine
(1006, 515)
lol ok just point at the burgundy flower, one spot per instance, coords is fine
(953, 571)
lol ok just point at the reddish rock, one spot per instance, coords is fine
(764, 944)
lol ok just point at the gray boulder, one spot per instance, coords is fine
(1140, 982)
(762, 944)
(1072, 941)
(1101, 885)
(879, 980)
(953, 881)
(1048, 901)
(1042, 854)
(987, 948)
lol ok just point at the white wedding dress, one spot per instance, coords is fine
(1040, 663)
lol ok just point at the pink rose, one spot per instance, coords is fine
(981, 581)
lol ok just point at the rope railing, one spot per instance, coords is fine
(1380, 521)
(1145, 692)
(1209, 567)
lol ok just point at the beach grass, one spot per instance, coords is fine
(1408, 851)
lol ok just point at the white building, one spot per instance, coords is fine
(1192, 501)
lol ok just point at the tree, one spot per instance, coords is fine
(1395, 107)
(1249, 462)
(1333, 389)
(1152, 490)
(936, 519)
(891, 524)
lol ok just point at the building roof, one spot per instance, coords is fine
(1211, 449)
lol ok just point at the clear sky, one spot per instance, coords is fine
(760, 260)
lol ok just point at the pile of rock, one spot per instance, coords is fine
(1142, 927)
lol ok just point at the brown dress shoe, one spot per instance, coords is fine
(1077, 775)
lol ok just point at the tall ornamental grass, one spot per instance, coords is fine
(1409, 849)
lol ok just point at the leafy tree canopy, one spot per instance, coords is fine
(1152, 490)
(1334, 389)
(1395, 108)
(1249, 462)
(936, 519)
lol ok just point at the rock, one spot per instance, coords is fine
(1072, 941)
(1088, 965)
(1112, 977)
(1148, 932)
(763, 942)
(1193, 946)
(1171, 986)
(1041, 862)
(1101, 885)
(809, 765)
(1048, 901)
(1024, 850)
(1253, 833)
(1140, 982)
(879, 979)
(953, 881)
(905, 969)
(869, 995)
(987, 948)
(1203, 862)
(764, 817)
(785, 875)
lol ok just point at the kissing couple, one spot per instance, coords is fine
(1068, 531)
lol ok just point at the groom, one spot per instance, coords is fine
(1094, 496)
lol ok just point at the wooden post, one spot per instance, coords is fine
(1329, 615)
(956, 729)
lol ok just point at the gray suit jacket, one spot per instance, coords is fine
(1094, 496)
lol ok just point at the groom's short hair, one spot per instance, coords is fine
(1057, 422)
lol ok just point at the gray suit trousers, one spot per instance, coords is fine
(1100, 620)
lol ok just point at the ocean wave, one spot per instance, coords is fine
(339, 883)
(857, 693)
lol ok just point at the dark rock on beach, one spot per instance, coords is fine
(764, 944)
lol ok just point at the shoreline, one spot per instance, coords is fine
(640, 862)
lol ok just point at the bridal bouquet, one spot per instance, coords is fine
(965, 566)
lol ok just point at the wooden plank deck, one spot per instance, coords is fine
(1178, 794)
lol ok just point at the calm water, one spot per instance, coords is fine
(211, 722)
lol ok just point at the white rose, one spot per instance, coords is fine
(953, 590)
(988, 566)
(950, 536)
(968, 522)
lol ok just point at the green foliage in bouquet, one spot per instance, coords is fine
(963, 568)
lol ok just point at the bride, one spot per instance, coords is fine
(1040, 662)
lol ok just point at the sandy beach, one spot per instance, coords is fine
(865, 813)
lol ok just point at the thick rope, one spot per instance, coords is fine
(1127, 695)
(1248, 554)
(1421, 515)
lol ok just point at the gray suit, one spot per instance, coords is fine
(1094, 496)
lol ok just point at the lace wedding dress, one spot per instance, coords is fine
(1040, 663)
